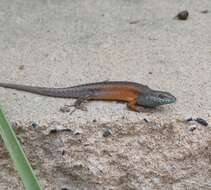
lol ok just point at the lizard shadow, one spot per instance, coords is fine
(66, 108)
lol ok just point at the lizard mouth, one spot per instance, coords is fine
(169, 100)
(166, 98)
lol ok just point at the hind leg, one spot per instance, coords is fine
(78, 104)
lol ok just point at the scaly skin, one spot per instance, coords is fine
(136, 95)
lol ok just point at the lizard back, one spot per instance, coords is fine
(94, 90)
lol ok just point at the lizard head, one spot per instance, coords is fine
(153, 98)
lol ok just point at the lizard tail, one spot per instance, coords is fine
(52, 92)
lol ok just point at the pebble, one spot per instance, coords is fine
(60, 130)
(198, 120)
(157, 126)
(146, 120)
(35, 125)
(107, 132)
(201, 121)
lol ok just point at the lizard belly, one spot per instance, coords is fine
(116, 94)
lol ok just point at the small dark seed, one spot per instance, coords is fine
(192, 129)
(21, 67)
(64, 188)
(189, 119)
(201, 121)
(146, 120)
(150, 73)
(94, 120)
(204, 11)
(63, 152)
(183, 15)
(134, 22)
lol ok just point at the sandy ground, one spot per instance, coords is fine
(65, 43)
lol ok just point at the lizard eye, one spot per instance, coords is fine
(161, 96)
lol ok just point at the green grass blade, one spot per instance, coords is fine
(16, 153)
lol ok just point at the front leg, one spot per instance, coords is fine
(132, 105)
(78, 104)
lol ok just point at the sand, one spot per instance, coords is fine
(65, 43)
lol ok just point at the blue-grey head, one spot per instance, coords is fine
(153, 98)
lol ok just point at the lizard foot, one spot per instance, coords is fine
(136, 108)
(66, 108)
(78, 104)
(80, 107)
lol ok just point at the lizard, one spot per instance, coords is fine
(137, 96)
